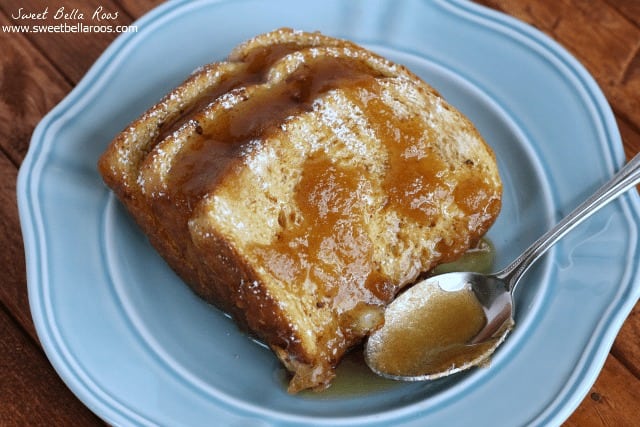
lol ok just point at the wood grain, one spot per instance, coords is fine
(13, 292)
(138, 8)
(31, 393)
(38, 70)
(626, 348)
(605, 408)
(29, 87)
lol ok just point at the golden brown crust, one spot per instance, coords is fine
(299, 185)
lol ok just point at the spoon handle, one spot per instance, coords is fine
(627, 177)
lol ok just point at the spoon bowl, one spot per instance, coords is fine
(451, 322)
(448, 330)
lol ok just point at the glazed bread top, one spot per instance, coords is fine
(300, 184)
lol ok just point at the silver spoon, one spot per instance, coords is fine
(454, 321)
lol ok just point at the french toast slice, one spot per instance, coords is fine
(300, 185)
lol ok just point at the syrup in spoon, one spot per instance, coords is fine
(454, 321)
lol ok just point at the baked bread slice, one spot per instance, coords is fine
(300, 184)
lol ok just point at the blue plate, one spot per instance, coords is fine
(139, 348)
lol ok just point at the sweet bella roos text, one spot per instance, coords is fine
(99, 14)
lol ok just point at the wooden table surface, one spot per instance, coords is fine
(38, 70)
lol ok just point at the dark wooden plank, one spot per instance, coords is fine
(137, 8)
(31, 394)
(603, 406)
(29, 87)
(13, 292)
(626, 348)
(70, 52)
(629, 8)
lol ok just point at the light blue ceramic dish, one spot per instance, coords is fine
(139, 349)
